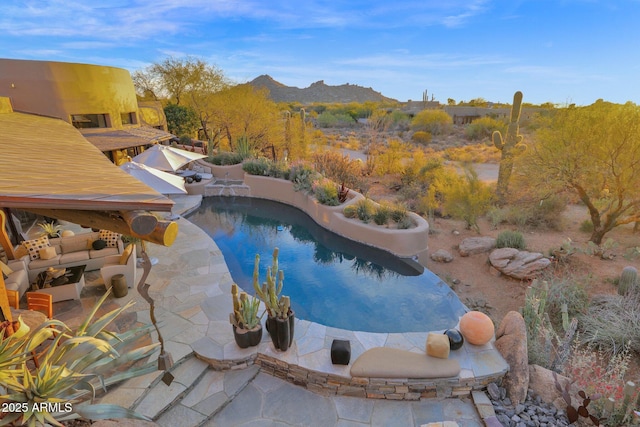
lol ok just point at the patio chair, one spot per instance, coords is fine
(14, 298)
(124, 263)
(38, 301)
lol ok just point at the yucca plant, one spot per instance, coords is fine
(50, 229)
(72, 366)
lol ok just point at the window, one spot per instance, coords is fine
(128, 118)
(83, 121)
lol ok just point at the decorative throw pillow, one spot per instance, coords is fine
(111, 237)
(34, 246)
(48, 253)
(99, 244)
(20, 251)
(124, 258)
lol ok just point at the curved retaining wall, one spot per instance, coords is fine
(407, 243)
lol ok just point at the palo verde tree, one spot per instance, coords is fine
(188, 82)
(594, 152)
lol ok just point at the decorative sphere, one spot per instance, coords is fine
(476, 327)
(455, 338)
(67, 233)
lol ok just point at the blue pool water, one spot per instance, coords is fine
(331, 280)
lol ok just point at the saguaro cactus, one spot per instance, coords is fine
(509, 145)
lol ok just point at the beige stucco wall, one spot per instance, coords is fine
(408, 243)
(60, 89)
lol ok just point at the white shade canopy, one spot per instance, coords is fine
(162, 182)
(166, 158)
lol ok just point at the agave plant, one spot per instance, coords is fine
(71, 367)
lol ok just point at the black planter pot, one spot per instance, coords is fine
(281, 331)
(247, 338)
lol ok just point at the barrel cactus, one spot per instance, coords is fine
(510, 145)
(628, 282)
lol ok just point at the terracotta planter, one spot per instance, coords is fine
(246, 338)
(281, 331)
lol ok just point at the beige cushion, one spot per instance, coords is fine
(438, 345)
(74, 257)
(101, 253)
(5, 268)
(48, 252)
(34, 246)
(124, 258)
(20, 251)
(70, 245)
(383, 362)
(110, 237)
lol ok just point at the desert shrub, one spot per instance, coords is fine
(586, 226)
(510, 239)
(350, 211)
(302, 177)
(365, 209)
(468, 198)
(278, 170)
(540, 332)
(334, 120)
(326, 192)
(224, 158)
(382, 214)
(405, 223)
(185, 140)
(497, 215)
(398, 212)
(612, 322)
(436, 122)
(568, 293)
(421, 137)
(338, 167)
(257, 167)
(483, 127)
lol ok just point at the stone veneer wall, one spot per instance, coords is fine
(328, 384)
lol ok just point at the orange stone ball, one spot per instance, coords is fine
(476, 327)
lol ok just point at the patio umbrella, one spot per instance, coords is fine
(166, 158)
(160, 181)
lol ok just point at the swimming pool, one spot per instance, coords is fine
(331, 280)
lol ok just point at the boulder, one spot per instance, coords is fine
(518, 264)
(442, 255)
(476, 245)
(511, 342)
(542, 383)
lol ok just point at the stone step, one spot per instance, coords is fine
(213, 392)
(159, 397)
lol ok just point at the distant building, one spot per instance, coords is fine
(99, 101)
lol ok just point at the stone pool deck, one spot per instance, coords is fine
(191, 288)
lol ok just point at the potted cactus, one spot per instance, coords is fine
(280, 317)
(247, 329)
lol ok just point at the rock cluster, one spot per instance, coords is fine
(532, 412)
(518, 264)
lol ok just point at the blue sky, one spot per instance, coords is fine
(561, 51)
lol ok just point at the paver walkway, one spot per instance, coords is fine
(191, 288)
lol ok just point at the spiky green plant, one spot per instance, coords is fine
(628, 281)
(509, 145)
(71, 367)
(269, 292)
(245, 310)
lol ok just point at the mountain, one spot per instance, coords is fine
(318, 92)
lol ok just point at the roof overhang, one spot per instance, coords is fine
(48, 167)
(119, 139)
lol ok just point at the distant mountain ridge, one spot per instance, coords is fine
(318, 92)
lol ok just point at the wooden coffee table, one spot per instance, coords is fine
(71, 289)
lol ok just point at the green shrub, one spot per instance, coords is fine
(586, 226)
(365, 210)
(510, 239)
(566, 290)
(483, 127)
(398, 213)
(257, 167)
(382, 214)
(185, 140)
(326, 192)
(302, 177)
(278, 170)
(350, 211)
(224, 158)
(405, 223)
